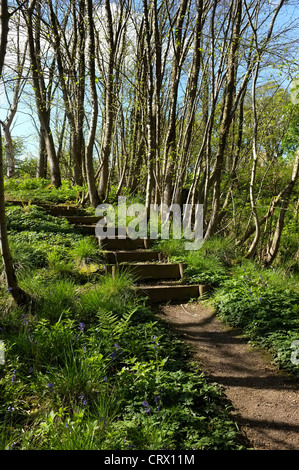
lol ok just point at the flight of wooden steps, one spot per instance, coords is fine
(154, 276)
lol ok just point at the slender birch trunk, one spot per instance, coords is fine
(90, 174)
(21, 297)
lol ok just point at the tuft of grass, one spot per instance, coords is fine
(112, 294)
(53, 298)
(84, 249)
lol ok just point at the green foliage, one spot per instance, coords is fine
(264, 303)
(93, 360)
(39, 189)
(53, 298)
(288, 255)
(90, 366)
(208, 264)
(172, 248)
(36, 219)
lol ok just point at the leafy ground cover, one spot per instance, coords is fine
(263, 302)
(41, 190)
(90, 366)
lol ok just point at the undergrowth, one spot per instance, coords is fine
(89, 366)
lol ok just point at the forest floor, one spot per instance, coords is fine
(265, 401)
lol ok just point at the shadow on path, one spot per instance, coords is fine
(265, 400)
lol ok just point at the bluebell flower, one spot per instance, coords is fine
(24, 320)
(81, 326)
(155, 342)
(147, 408)
(114, 354)
(84, 401)
(14, 376)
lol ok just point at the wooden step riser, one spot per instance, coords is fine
(82, 220)
(149, 271)
(112, 244)
(115, 257)
(171, 293)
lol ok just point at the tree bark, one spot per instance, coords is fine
(21, 297)
(40, 97)
(93, 194)
(73, 95)
(170, 156)
(227, 117)
(109, 105)
(274, 246)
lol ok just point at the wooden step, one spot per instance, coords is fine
(169, 293)
(115, 257)
(148, 271)
(82, 219)
(87, 229)
(123, 244)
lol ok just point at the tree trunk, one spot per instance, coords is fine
(254, 243)
(40, 98)
(21, 297)
(109, 106)
(273, 249)
(170, 156)
(93, 194)
(41, 171)
(227, 117)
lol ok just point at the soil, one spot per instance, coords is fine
(265, 400)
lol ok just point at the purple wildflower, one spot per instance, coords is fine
(50, 386)
(14, 376)
(147, 408)
(83, 399)
(114, 354)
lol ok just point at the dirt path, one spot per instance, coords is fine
(265, 401)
